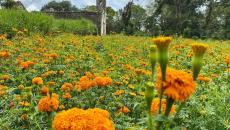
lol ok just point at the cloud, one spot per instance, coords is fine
(32, 5)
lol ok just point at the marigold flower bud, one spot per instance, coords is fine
(162, 44)
(153, 56)
(149, 94)
(198, 50)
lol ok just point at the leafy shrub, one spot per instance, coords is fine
(37, 22)
(81, 26)
(33, 22)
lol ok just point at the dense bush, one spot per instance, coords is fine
(13, 20)
(20, 20)
(81, 26)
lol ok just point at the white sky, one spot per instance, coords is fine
(32, 5)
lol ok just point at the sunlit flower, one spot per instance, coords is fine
(37, 81)
(124, 109)
(24, 104)
(119, 92)
(44, 90)
(78, 119)
(162, 42)
(5, 77)
(199, 48)
(67, 96)
(48, 104)
(103, 81)
(4, 54)
(66, 87)
(179, 85)
(227, 60)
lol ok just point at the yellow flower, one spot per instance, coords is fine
(162, 42)
(199, 48)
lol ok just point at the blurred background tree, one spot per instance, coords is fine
(59, 6)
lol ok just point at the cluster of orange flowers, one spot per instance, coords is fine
(204, 79)
(52, 55)
(124, 109)
(25, 64)
(90, 81)
(79, 119)
(179, 85)
(48, 103)
(4, 54)
(66, 87)
(48, 73)
(156, 104)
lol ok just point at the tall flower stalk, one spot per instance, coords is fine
(162, 44)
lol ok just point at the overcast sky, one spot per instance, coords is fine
(115, 4)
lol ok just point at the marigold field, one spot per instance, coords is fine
(69, 82)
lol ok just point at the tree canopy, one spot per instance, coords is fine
(59, 6)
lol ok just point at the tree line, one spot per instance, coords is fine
(187, 18)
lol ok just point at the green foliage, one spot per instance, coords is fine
(59, 6)
(36, 22)
(81, 26)
(20, 20)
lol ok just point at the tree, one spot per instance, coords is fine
(177, 17)
(8, 4)
(59, 6)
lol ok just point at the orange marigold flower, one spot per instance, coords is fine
(46, 61)
(119, 92)
(25, 65)
(227, 59)
(204, 79)
(124, 109)
(66, 87)
(44, 90)
(48, 104)
(5, 77)
(51, 83)
(156, 104)
(37, 81)
(179, 85)
(103, 81)
(79, 119)
(61, 72)
(2, 90)
(53, 55)
(67, 96)
(4, 54)
(85, 83)
(24, 104)
(21, 87)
